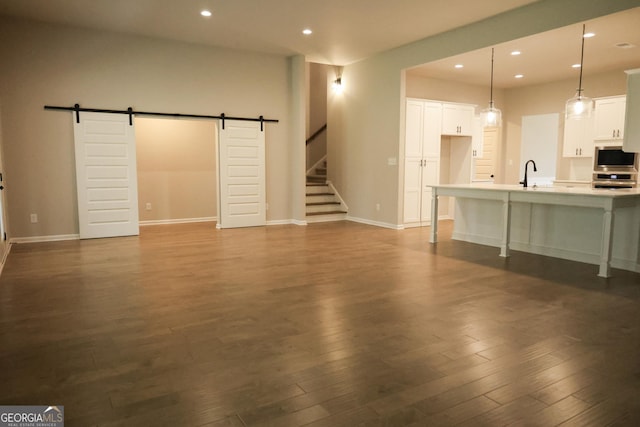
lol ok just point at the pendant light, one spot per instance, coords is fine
(491, 116)
(579, 107)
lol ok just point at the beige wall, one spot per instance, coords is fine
(371, 109)
(176, 168)
(56, 65)
(443, 90)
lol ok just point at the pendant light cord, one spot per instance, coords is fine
(491, 90)
(581, 62)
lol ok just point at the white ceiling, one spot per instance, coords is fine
(344, 31)
(348, 30)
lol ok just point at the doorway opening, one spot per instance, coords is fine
(176, 164)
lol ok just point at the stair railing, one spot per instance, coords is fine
(316, 134)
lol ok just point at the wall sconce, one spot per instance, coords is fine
(337, 83)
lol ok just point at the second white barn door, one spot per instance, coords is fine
(106, 177)
(241, 166)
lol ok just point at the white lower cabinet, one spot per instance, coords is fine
(419, 176)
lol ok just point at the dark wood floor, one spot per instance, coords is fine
(333, 324)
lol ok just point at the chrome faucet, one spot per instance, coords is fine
(524, 181)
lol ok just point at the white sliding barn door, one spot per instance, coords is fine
(241, 170)
(106, 176)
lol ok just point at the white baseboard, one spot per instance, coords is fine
(624, 264)
(476, 238)
(41, 239)
(587, 258)
(286, 222)
(178, 221)
(375, 223)
(556, 252)
(4, 257)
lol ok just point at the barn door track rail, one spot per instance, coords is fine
(131, 112)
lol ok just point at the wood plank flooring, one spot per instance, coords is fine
(332, 324)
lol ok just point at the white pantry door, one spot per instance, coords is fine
(241, 175)
(106, 177)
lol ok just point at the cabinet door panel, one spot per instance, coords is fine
(432, 129)
(578, 138)
(412, 189)
(457, 119)
(430, 176)
(413, 135)
(609, 118)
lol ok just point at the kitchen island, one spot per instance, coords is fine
(596, 226)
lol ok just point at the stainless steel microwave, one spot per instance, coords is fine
(614, 159)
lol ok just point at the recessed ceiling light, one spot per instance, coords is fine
(515, 53)
(588, 35)
(575, 66)
(205, 13)
(458, 66)
(306, 31)
(519, 76)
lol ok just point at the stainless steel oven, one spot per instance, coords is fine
(614, 168)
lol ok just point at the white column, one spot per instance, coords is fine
(506, 224)
(607, 228)
(434, 216)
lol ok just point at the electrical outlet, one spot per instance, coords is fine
(34, 218)
(377, 206)
(148, 206)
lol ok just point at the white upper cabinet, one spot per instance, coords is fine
(609, 118)
(457, 119)
(578, 140)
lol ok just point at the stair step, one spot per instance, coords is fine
(320, 199)
(318, 189)
(325, 213)
(322, 203)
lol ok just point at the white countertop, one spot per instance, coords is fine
(568, 190)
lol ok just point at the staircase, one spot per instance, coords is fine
(323, 204)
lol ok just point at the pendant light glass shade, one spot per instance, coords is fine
(579, 107)
(491, 116)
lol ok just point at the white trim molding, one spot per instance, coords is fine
(41, 239)
(179, 221)
(5, 256)
(376, 223)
